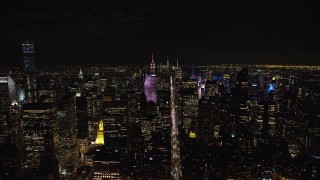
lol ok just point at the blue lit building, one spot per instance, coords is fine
(271, 88)
(30, 70)
(28, 56)
(193, 74)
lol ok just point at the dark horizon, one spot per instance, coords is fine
(82, 32)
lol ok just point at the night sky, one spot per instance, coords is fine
(117, 32)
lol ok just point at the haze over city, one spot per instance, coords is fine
(126, 32)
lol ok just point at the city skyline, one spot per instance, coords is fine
(159, 121)
(109, 89)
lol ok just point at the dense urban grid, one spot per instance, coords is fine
(161, 120)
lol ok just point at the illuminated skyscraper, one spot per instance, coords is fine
(206, 120)
(201, 87)
(68, 155)
(40, 131)
(150, 83)
(178, 71)
(152, 67)
(12, 89)
(107, 164)
(30, 70)
(116, 124)
(163, 103)
(189, 108)
(80, 74)
(7, 97)
(4, 108)
(100, 134)
(94, 105)
(150, 88)
(193, 74)
(15, 126)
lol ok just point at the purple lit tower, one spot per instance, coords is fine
(152, 66)
(150, 83)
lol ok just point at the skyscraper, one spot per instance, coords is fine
(116, 124)
(12, 89)
(150, 83)
(68, 154)
(152, 67)
(29, 63)
(100, 134)
(150, 88)
(80, 74)
(163, 106)
(178, 72)
(4, 108)
(189, 108)
(40, 131)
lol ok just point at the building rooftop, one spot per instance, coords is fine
(38, 106)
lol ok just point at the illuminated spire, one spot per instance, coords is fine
(167, 61)
(177, 62)
(152, 61)
(80, 74)
(100, 134)
(152, 66)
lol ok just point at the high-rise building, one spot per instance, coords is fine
(80, 74)
(178, 71)
(107, 164)
(150, 88)
(189, 109)
(193, 73)
(82, 118)
(4, 108)
(41, 139)
(100, 134)
(206, 120)
(94, 105)
(152, 67)
(116, 124)
(14, 124)
(12, 89)
(68, 154)
(30, 70)
(134, 105)
(207, 74)
(163, 120)
(201, 87)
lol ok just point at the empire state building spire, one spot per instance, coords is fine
(152, 61)
(152, 66)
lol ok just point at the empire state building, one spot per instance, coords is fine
(152, 67)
